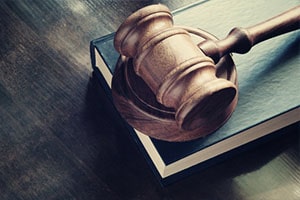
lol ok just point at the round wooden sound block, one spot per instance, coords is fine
(138, 105)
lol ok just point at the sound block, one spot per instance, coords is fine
(137, 104)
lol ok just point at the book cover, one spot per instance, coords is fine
(268, 79)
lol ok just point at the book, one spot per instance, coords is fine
(268, 79)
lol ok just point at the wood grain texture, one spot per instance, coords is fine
(181, 77)
(58, 139)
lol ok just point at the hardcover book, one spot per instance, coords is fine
(268, 81)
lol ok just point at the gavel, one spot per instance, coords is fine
(179, 76)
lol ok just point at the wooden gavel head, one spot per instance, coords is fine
(178, 73)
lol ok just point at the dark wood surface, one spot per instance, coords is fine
(58, 139)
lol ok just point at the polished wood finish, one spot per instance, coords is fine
(58, 138)
(181, 73)
(138, 104)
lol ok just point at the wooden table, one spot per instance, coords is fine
(58, 139)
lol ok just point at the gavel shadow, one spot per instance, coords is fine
(273, 62)
(290, 50)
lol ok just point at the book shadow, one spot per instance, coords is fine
(119, 162)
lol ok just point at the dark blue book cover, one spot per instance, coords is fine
(268, 79)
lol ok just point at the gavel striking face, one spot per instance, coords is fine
(182, 75)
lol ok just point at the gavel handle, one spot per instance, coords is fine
(241, 40)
